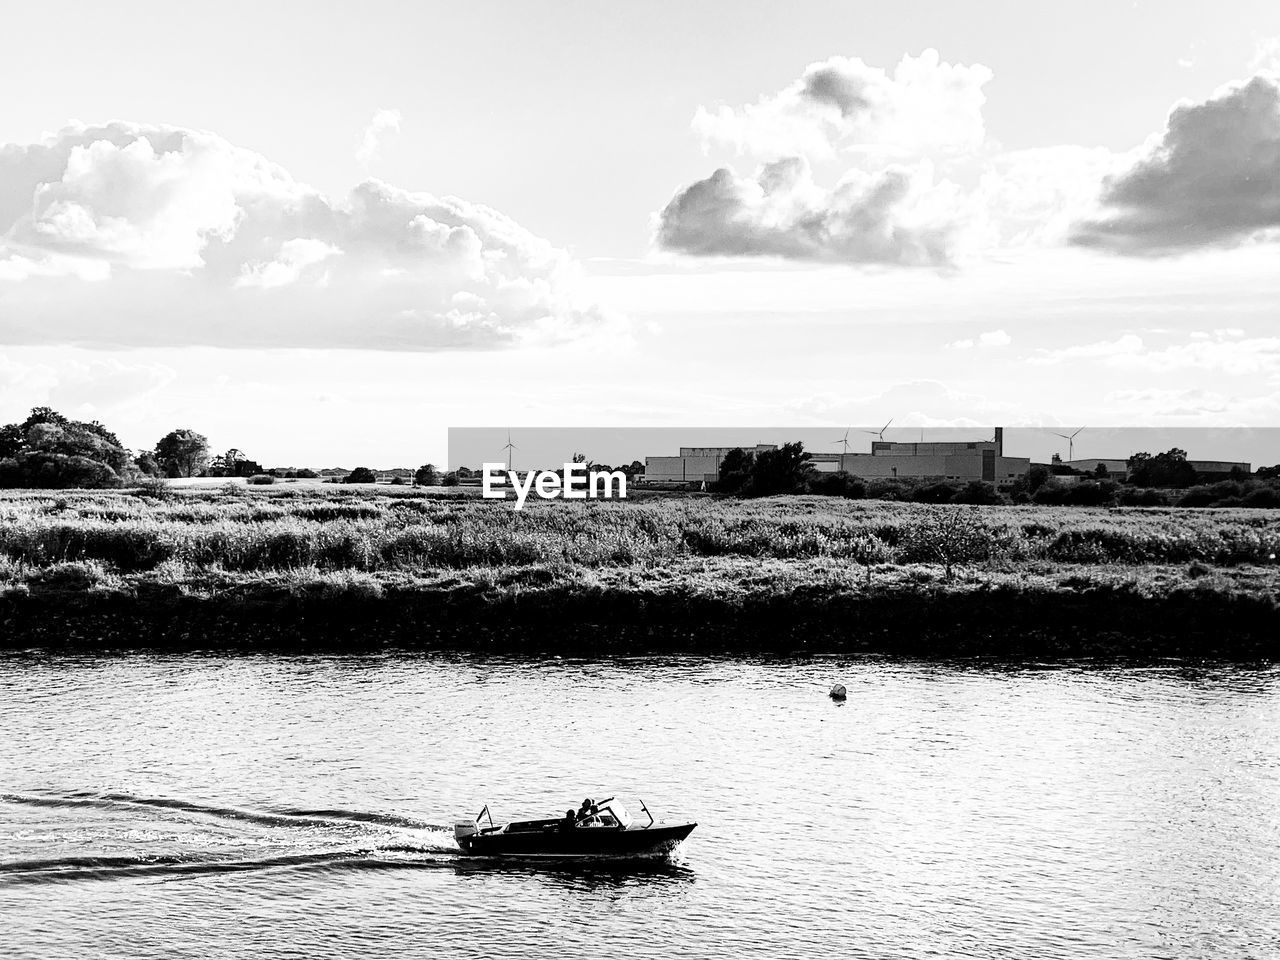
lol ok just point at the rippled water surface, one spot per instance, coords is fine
(211, 807)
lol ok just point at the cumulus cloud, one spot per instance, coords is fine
(126, 234)
(1212, 178)
(385, 123)
(889, 207)
(897, 216)
(841, 103)
(1035, 197)
(294, 258)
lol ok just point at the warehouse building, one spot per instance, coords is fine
(1119, 469)
(960, 461)
(1114, 468)
(694, 465)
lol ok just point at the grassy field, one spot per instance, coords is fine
(363, 544)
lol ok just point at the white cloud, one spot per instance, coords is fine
(76, 386)
(911, 404)
(385, 123)
(1125, 346)
(196, 241)
(1211, 178)
(1035, 197)
(842, 103)
(992, 338)
(897, 216)
(1266, 55)
(1210, 407)
(1224, 352)
(295, 257)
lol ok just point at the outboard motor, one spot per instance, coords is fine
(463, 829)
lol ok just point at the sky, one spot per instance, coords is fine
(326, 233)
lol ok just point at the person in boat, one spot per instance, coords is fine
(587, 813)
(569, 822)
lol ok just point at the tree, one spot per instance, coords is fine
(784, 470)
(1168, 469)
(361, 475)
(182, 453)
(839, 484)
(735, 470)
(48, 450)
(147, 465)
(234, 463)
(949, 537)
(426, 475)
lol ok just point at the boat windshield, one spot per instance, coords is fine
(621, 816)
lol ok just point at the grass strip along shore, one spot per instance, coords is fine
(308, 567)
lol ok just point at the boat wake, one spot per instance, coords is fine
(82, 835)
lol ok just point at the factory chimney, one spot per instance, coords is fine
(999, 441)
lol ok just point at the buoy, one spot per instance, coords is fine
(838, 692)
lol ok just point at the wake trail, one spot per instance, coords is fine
(79, 869)
(278, 817)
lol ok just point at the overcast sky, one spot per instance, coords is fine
(324, 233)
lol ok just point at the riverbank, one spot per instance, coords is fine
(285, 569)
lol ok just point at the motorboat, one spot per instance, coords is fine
(604, 830)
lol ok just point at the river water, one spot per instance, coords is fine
(225, 807)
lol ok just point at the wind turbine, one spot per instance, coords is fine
(509, 447)
(1071, 443)
(845, 440)
(879, 433)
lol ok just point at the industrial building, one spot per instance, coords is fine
(958, 460)
(1205, 469)
(693, 464)
(961, 460)
(1114, 468)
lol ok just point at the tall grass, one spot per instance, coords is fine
(331, 532)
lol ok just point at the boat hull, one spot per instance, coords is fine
(597, 843)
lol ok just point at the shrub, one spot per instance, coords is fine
(77, 576)
(892, 490)
(153, 488)
(1141, 497)
(938, 492)
(977, 492)
(261, 479)
(337, 511)
(361, 475)
(1262, 497)
(838, 485)
(1090, 546)
(128, 546)
(948, 537)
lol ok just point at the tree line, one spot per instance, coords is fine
(1162, 479)
(50, 450)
